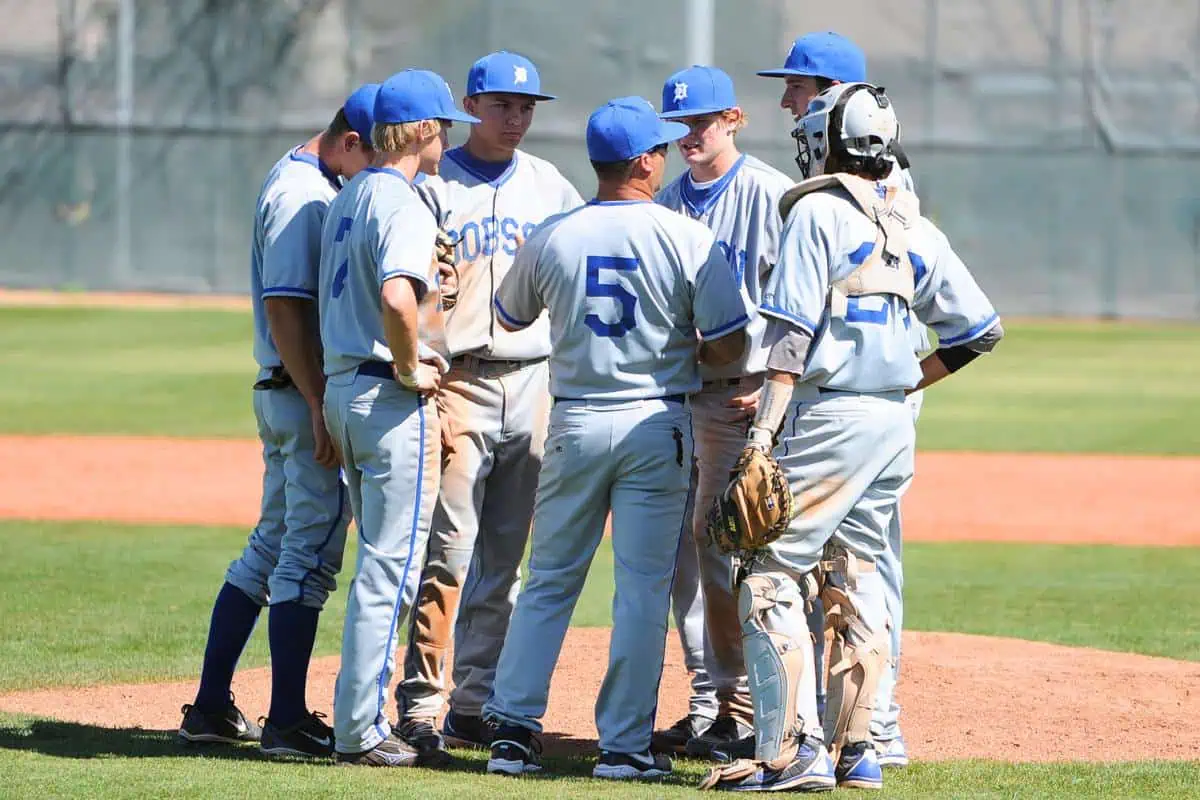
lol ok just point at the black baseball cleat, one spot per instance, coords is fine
(673, 740)
(463, 730)
(422, 736)
(515, 751)
(725, 734)
(631, 766)
(227, 726)
(308, 738)
(391, 752)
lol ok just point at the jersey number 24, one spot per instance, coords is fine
(625, 298)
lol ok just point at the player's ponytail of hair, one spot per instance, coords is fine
(398, 137)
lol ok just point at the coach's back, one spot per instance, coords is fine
(627, 285)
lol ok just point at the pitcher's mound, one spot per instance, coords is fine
(963, 697)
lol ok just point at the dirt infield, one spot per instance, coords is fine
(41, 298)
(1043, 702)
(956, 496)
(964, 696)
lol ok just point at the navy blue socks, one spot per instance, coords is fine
(233, 618)
(292, 630)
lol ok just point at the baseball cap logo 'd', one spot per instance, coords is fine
(627, 127)
(697, 90)
(507, 72)
(416, 94)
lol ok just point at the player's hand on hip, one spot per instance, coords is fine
(423, 380)
(746, 400)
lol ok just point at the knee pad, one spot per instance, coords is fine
(859, 651)
(777, 662)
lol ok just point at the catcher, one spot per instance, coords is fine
(830, 450)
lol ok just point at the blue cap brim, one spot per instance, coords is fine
(459, 116)
(534, 95)
(784, 72)
(673, 131)
(692, 112)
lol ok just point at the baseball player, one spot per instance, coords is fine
(737, 197)
(378, 300)
(816, 62)
(295, 551)
(492, 405)
(856, 261)
(635, 294)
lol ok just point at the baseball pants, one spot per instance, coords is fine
(295, 552)
(635, 458)
(705, 609)
(885, 722)
(494, 413)
(390, 443)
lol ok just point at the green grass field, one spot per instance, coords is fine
(1067, 387)
(88, 603)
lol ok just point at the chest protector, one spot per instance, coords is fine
(887, 269)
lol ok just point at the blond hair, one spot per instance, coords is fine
(735, 124)
(398, 137)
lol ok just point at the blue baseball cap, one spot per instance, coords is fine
(697, 90)
(823, 55)
(505, 72)
(359, 109)
(416, 94)
(627, 127)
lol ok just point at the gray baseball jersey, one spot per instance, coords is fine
(741, 208)
(486, 212)
(627, 285)
(286, 249)
(870, 349)
(377, 228)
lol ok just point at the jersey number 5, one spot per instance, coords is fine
(596, 288)
(339, 277)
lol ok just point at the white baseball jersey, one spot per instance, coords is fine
(286, 252)
(485, 206)
(377, 228)
(825, 238)
(627, 286)
(741, 208)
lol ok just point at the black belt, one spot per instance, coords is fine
(376, 369)
(722, 383)
(671, 398)
(279, 379)
(493, 366)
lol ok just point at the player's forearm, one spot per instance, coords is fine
(933, 369)
(292, 322)
(400, 323)
(726, 350)
(948, 360)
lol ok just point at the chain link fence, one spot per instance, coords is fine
(1056, 141)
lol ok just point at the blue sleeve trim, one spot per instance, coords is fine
(974, 333)
(919, 268)
(728, 327)
(398, 272)
(289, 291)
(787, 316)
(509, 318)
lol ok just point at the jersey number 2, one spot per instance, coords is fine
(339, 277)
(626, 299)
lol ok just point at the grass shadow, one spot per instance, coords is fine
(76, 740)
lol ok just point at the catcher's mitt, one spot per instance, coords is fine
(443, 256)
(756, 506)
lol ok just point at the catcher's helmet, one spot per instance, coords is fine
(853, 121)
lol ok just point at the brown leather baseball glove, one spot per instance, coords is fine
(756, 506)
